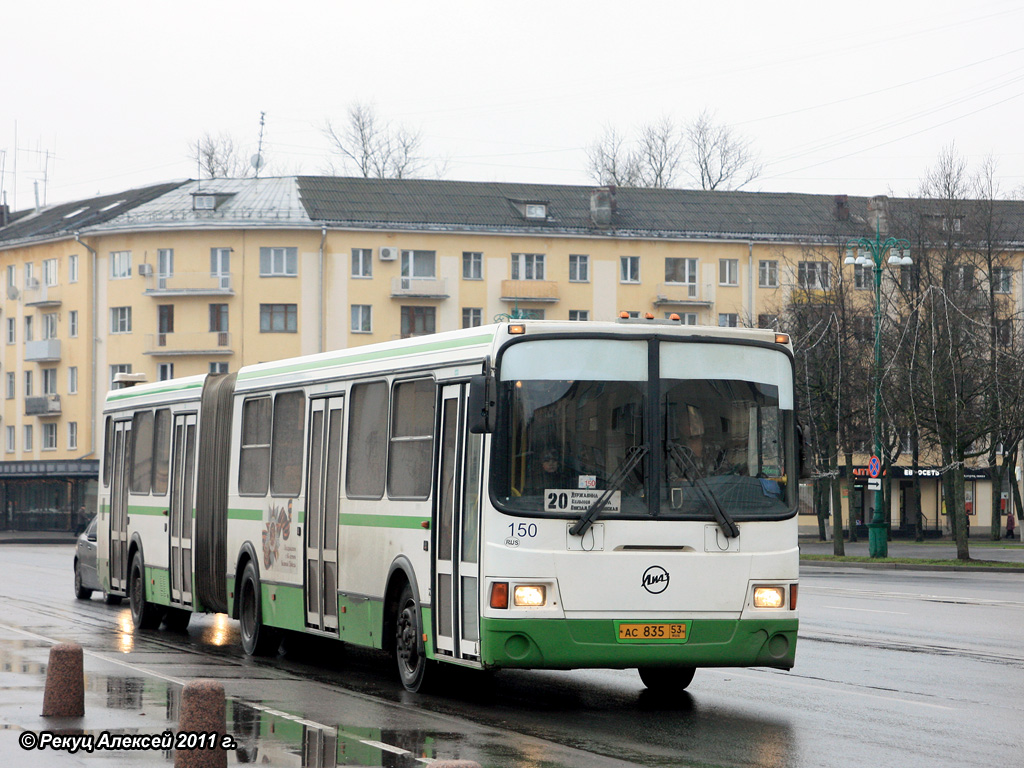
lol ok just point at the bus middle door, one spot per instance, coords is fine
(322, 499)
(183, 464)
(457, 525)
(120, 478)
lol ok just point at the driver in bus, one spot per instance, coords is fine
(552, 474)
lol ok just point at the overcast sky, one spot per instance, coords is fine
(856, 98)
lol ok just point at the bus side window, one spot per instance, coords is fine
(286, 444)
(142, 452)
(161, 450)
(412, 439)
(254, 456)
(108, 451)
(367, 440)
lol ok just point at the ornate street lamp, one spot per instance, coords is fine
(872, 253)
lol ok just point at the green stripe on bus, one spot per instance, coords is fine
(382, 521)
(130, 392)
(155, 511)
(356, 357)
(245, 514)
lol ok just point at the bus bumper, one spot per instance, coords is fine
(594, 643)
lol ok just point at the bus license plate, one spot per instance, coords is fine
(652, 632)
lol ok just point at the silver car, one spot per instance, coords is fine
(87, 579)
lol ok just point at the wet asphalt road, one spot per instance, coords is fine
(894, 668)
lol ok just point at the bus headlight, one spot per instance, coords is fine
(769, 597)
(529, 596)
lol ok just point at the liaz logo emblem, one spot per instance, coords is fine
(655, 580)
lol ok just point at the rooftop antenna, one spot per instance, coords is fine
(199, 164)
(257, 159)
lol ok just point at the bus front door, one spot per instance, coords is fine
(322, 499)
(119, 480)
(183, 452)
(457, 526)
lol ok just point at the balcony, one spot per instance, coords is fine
(171, 344)
(529, 290)
(45, 351)
(189, 284)
(42, 296)
(419, 288)
(46, 405)
(682, 294)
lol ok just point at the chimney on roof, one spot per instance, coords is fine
(4, 214)
(602, 205)
(878, 214)
(842, 208)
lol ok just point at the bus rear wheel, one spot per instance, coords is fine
(666, 679)
(145, 615)
(257, 638)
(409, 654)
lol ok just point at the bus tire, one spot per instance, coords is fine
(666, 679)
(410, 657)
(81, 592)
(145, 615)
(257, 638)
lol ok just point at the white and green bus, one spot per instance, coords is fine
(532, 494)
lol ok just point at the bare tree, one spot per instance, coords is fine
(220, 157)
(374, 147)
(708, 152)
(718, 157)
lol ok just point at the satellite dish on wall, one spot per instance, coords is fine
(256, 161)
(12, 293)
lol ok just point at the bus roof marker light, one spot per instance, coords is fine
(623, 315)
(782, 338)
(674, 317)
(649, 315)
(517, 329)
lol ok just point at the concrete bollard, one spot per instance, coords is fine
(454, 764)
(202, 712)
(64, 695)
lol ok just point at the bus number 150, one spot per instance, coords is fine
(522, 530)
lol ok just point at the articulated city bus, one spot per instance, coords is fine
(532, 494)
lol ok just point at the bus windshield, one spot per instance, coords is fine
(707, 440)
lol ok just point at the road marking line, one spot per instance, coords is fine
(864, 610)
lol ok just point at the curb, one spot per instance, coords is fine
(911, 566)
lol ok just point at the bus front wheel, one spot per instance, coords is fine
(666, 679)
(409, 653)
(257, 638)
(145, 615)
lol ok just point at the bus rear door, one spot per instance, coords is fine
(120, 477)
(182, 504)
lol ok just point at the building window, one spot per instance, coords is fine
(472, 317)
(120, 265)
(579, 268)
(120, 319)
(12, 330)
(472, 265)
(49, 436)
(862, 277)
(29, 329)
(164, 266)
(73, 268)
(10, 440)
(279, 262)
(164, 322)
(219, 318)
(418, 264)
(863, 327)
(768, 274)
(531, 314)
(417, 321)
(217, 368)
(629, 269)
(682, 271)
(12, 273)
(527, 266)
(687, 318)
(1004, 331)
(220, 266)
(728, 271)
(50, 272)
(362, 318)
(10, 385)
(813, 275)
(910, 278)
(28, 438)
(28, 384)
(50, 325)
(119, 368)
(728, 320)
(164, 371)
(581, 315)
(73, 323)
(1002, 279)
(73, 380)
(49, 381)
(278, 318)
(72, 435)
(959, 278)
(30, 276)
(362, 262)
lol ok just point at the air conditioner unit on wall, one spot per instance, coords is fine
(145, 270)
(31, 283)
(388, 253)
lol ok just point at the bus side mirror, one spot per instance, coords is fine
(801, 454)
(480, 405)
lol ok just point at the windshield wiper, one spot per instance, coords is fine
(684, 459)
(615, 482)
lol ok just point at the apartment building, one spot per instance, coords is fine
(194, 277)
